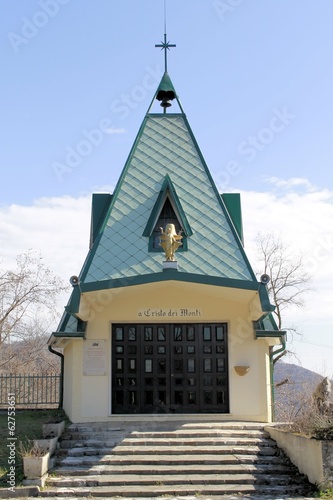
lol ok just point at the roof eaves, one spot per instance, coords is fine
(167, 276)
(69, 335)
(170, 275)
(267, 307)
(260, 334)
(266, 327)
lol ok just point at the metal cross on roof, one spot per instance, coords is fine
(165, 46)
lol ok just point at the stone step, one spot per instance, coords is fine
(187, 433)
(165, 422)
(100, 436)
(174, 460)
(161, 450)
(106, 430)
(193, 441)
(170, 458)
(271, 492)
(67, 440)
(96, 443)
(188, 469)
(203, 450)
(94, 427)
(164, 479)
(100, 433)
(248, 426)
(88, 451)
(92, 443)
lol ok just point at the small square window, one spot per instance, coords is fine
(119, 365)
(207, 333)
(178, 365)
(161, 365)
(132, 365)
(219, 333)
(119, 334)
(148, 365)
(191, 365)
(132, 334)
(161, 334)
(178, 334)
(190, 334)
(148, 334)
(191, 398)
(220, 365)
(207, 365)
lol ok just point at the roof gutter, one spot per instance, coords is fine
(61, 385)
(272, 355)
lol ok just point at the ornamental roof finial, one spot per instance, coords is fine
(165, 45)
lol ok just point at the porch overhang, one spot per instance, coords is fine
(73, 306)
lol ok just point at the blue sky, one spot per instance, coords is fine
(231, 68)
(255, 80)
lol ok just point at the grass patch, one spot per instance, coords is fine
(28, 426)
(328, 494)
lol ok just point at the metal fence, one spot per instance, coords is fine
(30, 390)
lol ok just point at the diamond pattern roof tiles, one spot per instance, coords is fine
(165, 145)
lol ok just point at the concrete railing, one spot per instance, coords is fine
(312, 457)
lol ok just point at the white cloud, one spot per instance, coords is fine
(292, 183)
(302, 219)
(58, 228)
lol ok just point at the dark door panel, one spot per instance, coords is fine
(170, 368)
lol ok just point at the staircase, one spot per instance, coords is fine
(171, 458)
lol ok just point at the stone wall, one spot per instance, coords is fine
(312, 457)
(327, 454)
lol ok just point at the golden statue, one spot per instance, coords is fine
(170, 241)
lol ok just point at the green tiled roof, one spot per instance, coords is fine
(165, 146)
(71, 326)
(266, 327)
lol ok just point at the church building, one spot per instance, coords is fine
(167, 316)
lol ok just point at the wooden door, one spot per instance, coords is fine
(170, 368)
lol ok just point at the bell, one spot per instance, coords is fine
(165, 103)
(165, 96)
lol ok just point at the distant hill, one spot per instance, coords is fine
(296, 374)
(296, 392)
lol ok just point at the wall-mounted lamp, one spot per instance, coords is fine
(241, 370)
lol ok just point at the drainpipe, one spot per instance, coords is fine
(61, 388)
(272, 354)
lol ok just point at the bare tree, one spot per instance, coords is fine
(289, 280)
(30, 355)
(29, 289)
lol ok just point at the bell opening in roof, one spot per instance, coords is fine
(165, 96)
